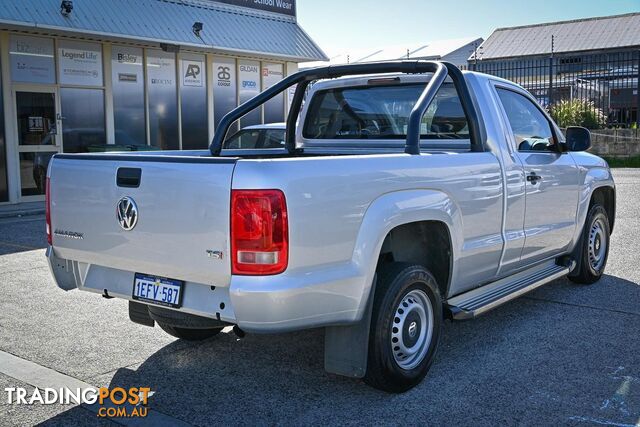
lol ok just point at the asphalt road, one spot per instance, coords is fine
(564, 354)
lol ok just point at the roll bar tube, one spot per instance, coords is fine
(302, 78)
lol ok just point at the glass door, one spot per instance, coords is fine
(39, 136)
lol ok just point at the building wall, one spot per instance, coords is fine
(459, 57)
(116, 93)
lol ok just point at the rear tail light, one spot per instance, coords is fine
(259, 232)
(47, 202)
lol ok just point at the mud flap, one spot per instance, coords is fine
(346, 348)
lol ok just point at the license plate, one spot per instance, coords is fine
(157, 290)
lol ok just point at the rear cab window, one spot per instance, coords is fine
(245, 139)
(381, 112)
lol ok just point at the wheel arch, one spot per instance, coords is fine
(396, 215)
(598, 187)
(346, 346)
(426, 243)
(606, 196)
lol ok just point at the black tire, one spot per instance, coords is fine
(400, 283)
(190, 334)
(185, 326)
(592, 257)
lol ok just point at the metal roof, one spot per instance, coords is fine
(226, 28)
(608, 32)
(433, 50)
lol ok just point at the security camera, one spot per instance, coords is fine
(66, 7)
(197, 27)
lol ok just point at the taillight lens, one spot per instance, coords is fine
(259, 232)
(47, 202)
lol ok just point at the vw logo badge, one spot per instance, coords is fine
(127, 213)
(413, 328)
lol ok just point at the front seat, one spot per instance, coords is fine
(449, 117)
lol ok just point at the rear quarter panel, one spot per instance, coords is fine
(329, 200)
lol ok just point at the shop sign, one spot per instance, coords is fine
(224, 87)
(192, 73)
(80, 63)
(32, 59)
(285, 7)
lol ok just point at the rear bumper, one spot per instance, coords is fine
(265, 304)
(198, 299)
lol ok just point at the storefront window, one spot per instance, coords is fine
(193, 102)
(80, 63)
(225, 86)
(83, 128)
(163, 105)
(31, 59)
(249, 78)
(33, 172)
(274, 108)
(36, 114)
(127, 79)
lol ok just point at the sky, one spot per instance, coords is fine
(339, 25)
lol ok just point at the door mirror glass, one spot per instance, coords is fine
(578, 138)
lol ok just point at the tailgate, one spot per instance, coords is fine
(182, 214)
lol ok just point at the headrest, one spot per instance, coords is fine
(449, 117)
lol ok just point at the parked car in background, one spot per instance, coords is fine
(257, 137)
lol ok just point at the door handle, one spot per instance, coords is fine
(533, 178)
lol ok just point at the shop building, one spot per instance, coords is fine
(595, 60)
(95, 75)
(455, 51)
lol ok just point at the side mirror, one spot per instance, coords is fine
(578, 138)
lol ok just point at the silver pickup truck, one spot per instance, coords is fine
(406, 193)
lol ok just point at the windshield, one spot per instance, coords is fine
(382, 112)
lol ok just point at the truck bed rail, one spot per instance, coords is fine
(302, 79)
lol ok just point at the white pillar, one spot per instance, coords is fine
(290, 68)
(10, 124)
(108, 94)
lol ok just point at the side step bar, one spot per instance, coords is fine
(473, 303)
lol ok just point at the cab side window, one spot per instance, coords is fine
(531, 129)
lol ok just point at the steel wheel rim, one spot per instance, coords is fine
(597, 244)
(411, 329)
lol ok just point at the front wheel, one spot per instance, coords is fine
(595, 246)
(405, 327)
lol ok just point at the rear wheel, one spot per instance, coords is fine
(405, 327)
(595, 246)
(185, 326)
(190, 334)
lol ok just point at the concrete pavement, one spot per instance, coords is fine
(564, 354)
